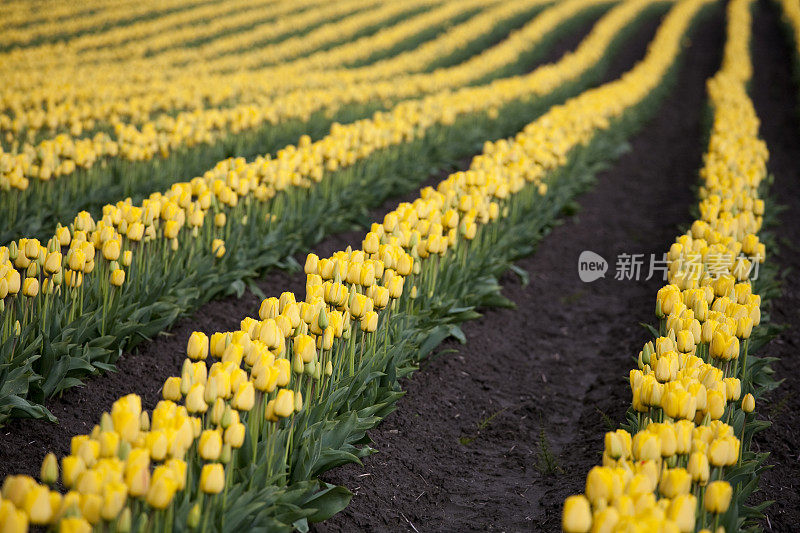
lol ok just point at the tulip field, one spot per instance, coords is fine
(431, 265)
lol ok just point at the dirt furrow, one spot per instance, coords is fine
(776, 101)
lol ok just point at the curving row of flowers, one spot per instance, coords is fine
(103, 282)
(41, 97)
(149, 118)
(234, 444)
(684, 463)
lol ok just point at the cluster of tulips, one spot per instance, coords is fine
(86, 264)
(239, 392)
(693, 379)
(260, 377)
(138, 135)
(679, 461)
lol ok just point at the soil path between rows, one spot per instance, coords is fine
(24, 443)
(495, 434)
(776, 101)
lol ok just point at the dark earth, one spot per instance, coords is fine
(776, 101)
(495, 434)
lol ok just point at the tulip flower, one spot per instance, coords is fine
(748, 403)
(212, 478)
(118, 277)
(577, 515)
(210, 444)
(49, 471)
(197, 347)
(717, 497)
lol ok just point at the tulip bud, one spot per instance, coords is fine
(52, 263)
(118, 277)
(212, 478)
(717, 497)
(577, 515)
(195, 399)
(210, 445)
(172, 389)
(682, 512)
(698, 467)
(49, 471)
(305, 348)
(284, 403)
(244, 399)
(111, 250)
(748, 403)
(30, 287)
(218, 247)
(193, 520)
(226, 454)
(197, 347)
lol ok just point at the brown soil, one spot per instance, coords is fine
(495, 434)
(776, 101)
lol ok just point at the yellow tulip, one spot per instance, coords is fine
(30, 287)
(305, 348)
(37, 505)
(111, 250)
(161, 492)
(577, 515)
(49, 471)
(198, 345)
(284, 403)
(115, 494)
(118, 277)
(212, 478)
(172, 389)
(12, 520)
(52, 262)
(74, 525)
(218, 247)
(748, 403)
(244, 399)
(682, 512)
(71, 467)
(717, 497)
(210, 444)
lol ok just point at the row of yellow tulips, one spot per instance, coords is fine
(674, 470)
(181, 213)
(73, 84)
(86, 274)
(138, 135)
(153, 36)
(178, 465)
(205, 126)
(24, 28)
